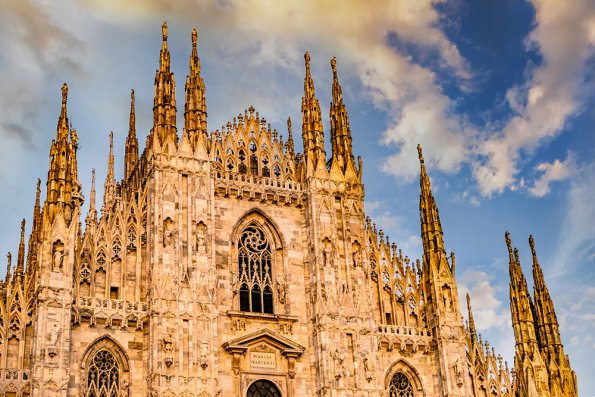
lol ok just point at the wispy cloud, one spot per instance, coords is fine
(553, 172)
(543, 104)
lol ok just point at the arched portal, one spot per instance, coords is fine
(263, 388)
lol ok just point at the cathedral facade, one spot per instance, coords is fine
(225, 264)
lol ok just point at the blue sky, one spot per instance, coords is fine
(499, 93)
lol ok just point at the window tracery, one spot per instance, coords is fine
(400, 386)
(103, 377)
(255, 278)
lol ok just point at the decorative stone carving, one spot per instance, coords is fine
(281, 289)
(57, 256)
(339, 359)
(204, 353)
(53, 338)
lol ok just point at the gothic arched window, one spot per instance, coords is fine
(254, 261)
(400, 386)
(263, 388)
(103, 377)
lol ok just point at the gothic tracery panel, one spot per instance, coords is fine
(255, 279)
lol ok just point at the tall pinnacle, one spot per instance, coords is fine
(35, 228)
(472, 329)
(195, 112)
(63, 127)
(431, 229)
(340, 133)
(131, 152)
(521, 306)
(92, 214)
(312, 133)
(109, 192)
(8, 268)
(164, 102)
(546, 320)
(63, 188)
(21, 256)
(289, 145)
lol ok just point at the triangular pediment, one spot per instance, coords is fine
(285, 345)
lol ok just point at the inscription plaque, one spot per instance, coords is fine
(263, 360)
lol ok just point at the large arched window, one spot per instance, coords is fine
(255, 279)
(263, 388)
(400, 386)
(103, 378)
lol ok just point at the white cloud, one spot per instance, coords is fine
(552, 172)
(488, 310)
(543, 104)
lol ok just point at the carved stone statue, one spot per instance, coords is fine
(124, 388)
(204, 353)
(281, 290)
(57, 256)
(367, 367)
(199, 239)
(168, 233)
(458, 371)
(339, 357)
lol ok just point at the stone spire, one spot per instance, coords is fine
(545, 315)
(431, 228)
(289, 146)
(342, 159)
(195, 113)
(521, 306)
(109, 192)
(472, 329)
(8, 276)
(35, 228)
(21, 255)
(312, 132)
(562, 379)
(131, 152)
(164, 102)
(63, 188)
(63, 126)
(92, 214)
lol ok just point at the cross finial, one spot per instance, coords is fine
(420, 153)
(307, 59)
(194, 38)
(334, 65)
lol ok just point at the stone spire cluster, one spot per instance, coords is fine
(63, 188)
(542, 367)
(195, 113)
(312, 131)
(342, 162)
(164, 133)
